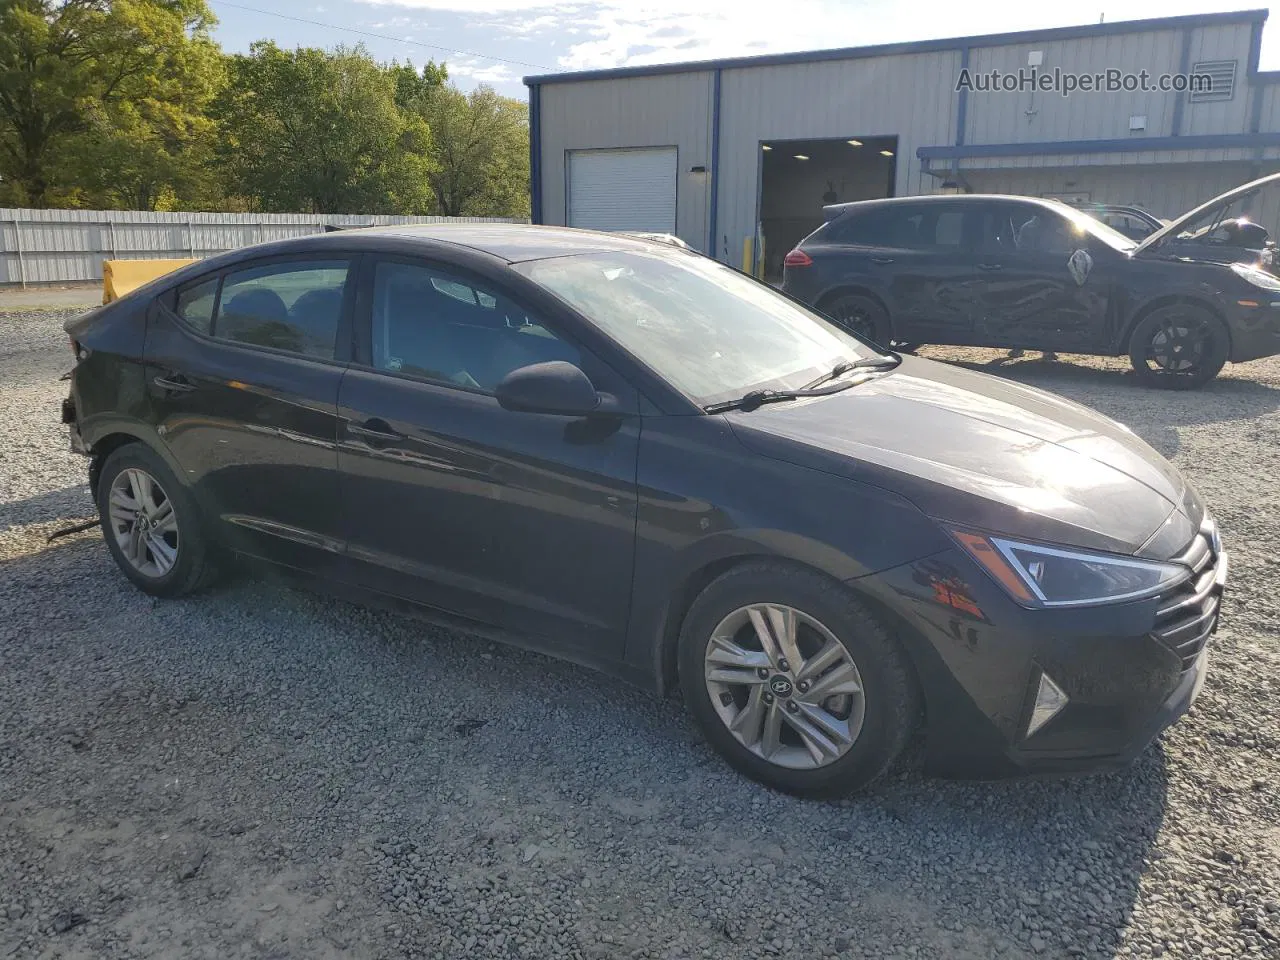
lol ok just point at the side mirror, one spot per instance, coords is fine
(555, 387)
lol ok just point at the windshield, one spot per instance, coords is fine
(1096, 228)
(707, 329)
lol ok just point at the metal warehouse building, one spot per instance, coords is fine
(724, 152)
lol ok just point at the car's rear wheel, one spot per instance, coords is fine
(859, 314)
(151, 523)
(1179, 347)
(794, 682)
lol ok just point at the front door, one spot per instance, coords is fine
(1031, 296)
(522, 521)
(242, 374)
(934, 283)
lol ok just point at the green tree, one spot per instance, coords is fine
(76, 75)
(479, 152)
(320, 131)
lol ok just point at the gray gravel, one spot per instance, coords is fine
(260, 772)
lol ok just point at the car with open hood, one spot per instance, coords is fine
(635, 457)
(1025, 273)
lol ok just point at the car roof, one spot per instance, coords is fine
(836, 209)
(512, 242)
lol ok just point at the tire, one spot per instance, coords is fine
(1178, 347)
(860, 315)
(724, 689)
(170, 554)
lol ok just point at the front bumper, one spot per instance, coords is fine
(1128, 670)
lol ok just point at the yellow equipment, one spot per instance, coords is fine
(124, 276)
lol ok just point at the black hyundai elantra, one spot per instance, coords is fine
(632, 456)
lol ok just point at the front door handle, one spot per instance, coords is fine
(374, 432)
(178, 384)
(882, 259)
(990, 266)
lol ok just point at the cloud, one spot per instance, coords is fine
(480, 72)
(610, 33)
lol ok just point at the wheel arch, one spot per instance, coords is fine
(857, 289)
(1169, 300)
(666, 659)
(111, 437)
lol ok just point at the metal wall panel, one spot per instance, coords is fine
(910, 97)
(1228, 42)
(62, 246)
(1033, 117)
(664, 111)
(1177, 189)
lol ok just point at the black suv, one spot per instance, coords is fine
(1018, 272)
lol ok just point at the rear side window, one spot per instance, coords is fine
(883, 227)
(195, 305)
(292, 306)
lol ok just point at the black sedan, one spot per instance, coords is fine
(632, 456)
(1018, 272)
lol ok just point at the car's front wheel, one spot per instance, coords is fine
(794, 682)
(1179, 347)
(151, 523)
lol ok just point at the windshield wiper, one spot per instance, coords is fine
(757, 398)
(848, 366)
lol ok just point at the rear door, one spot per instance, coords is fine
(242, 378)
(522, 521)
(1030, 296)
(912, 256)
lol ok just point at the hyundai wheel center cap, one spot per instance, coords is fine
(780, 686)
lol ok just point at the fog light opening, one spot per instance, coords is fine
(1049, 703)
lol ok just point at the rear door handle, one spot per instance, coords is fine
(990, 266)
(374, 432)
(176, 385)
(882, 259)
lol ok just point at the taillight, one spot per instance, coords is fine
(797, 258)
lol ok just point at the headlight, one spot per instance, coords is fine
(1258, 278)
(1036, 575)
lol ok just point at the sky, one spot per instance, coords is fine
(500, 41)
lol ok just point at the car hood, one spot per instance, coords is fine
(977, 450)
(1223, 198)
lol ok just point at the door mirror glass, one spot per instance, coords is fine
(555, 387)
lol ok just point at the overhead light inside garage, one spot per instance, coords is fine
(886, 153)
(854, 143)
(801, 156)
(765, 146)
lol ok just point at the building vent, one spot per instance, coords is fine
(1221, 83)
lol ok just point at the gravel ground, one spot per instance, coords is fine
(260, 772)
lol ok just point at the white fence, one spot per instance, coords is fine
(65, 246)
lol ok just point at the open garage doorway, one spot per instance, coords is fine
(799, 177)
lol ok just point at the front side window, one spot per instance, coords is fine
(707, 329)
(427, 322)
(289, 306)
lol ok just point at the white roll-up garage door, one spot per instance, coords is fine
(623, 189)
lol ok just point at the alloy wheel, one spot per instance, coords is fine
(1179, 346)
(856, 318)
(142, 520)
(785, 686)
